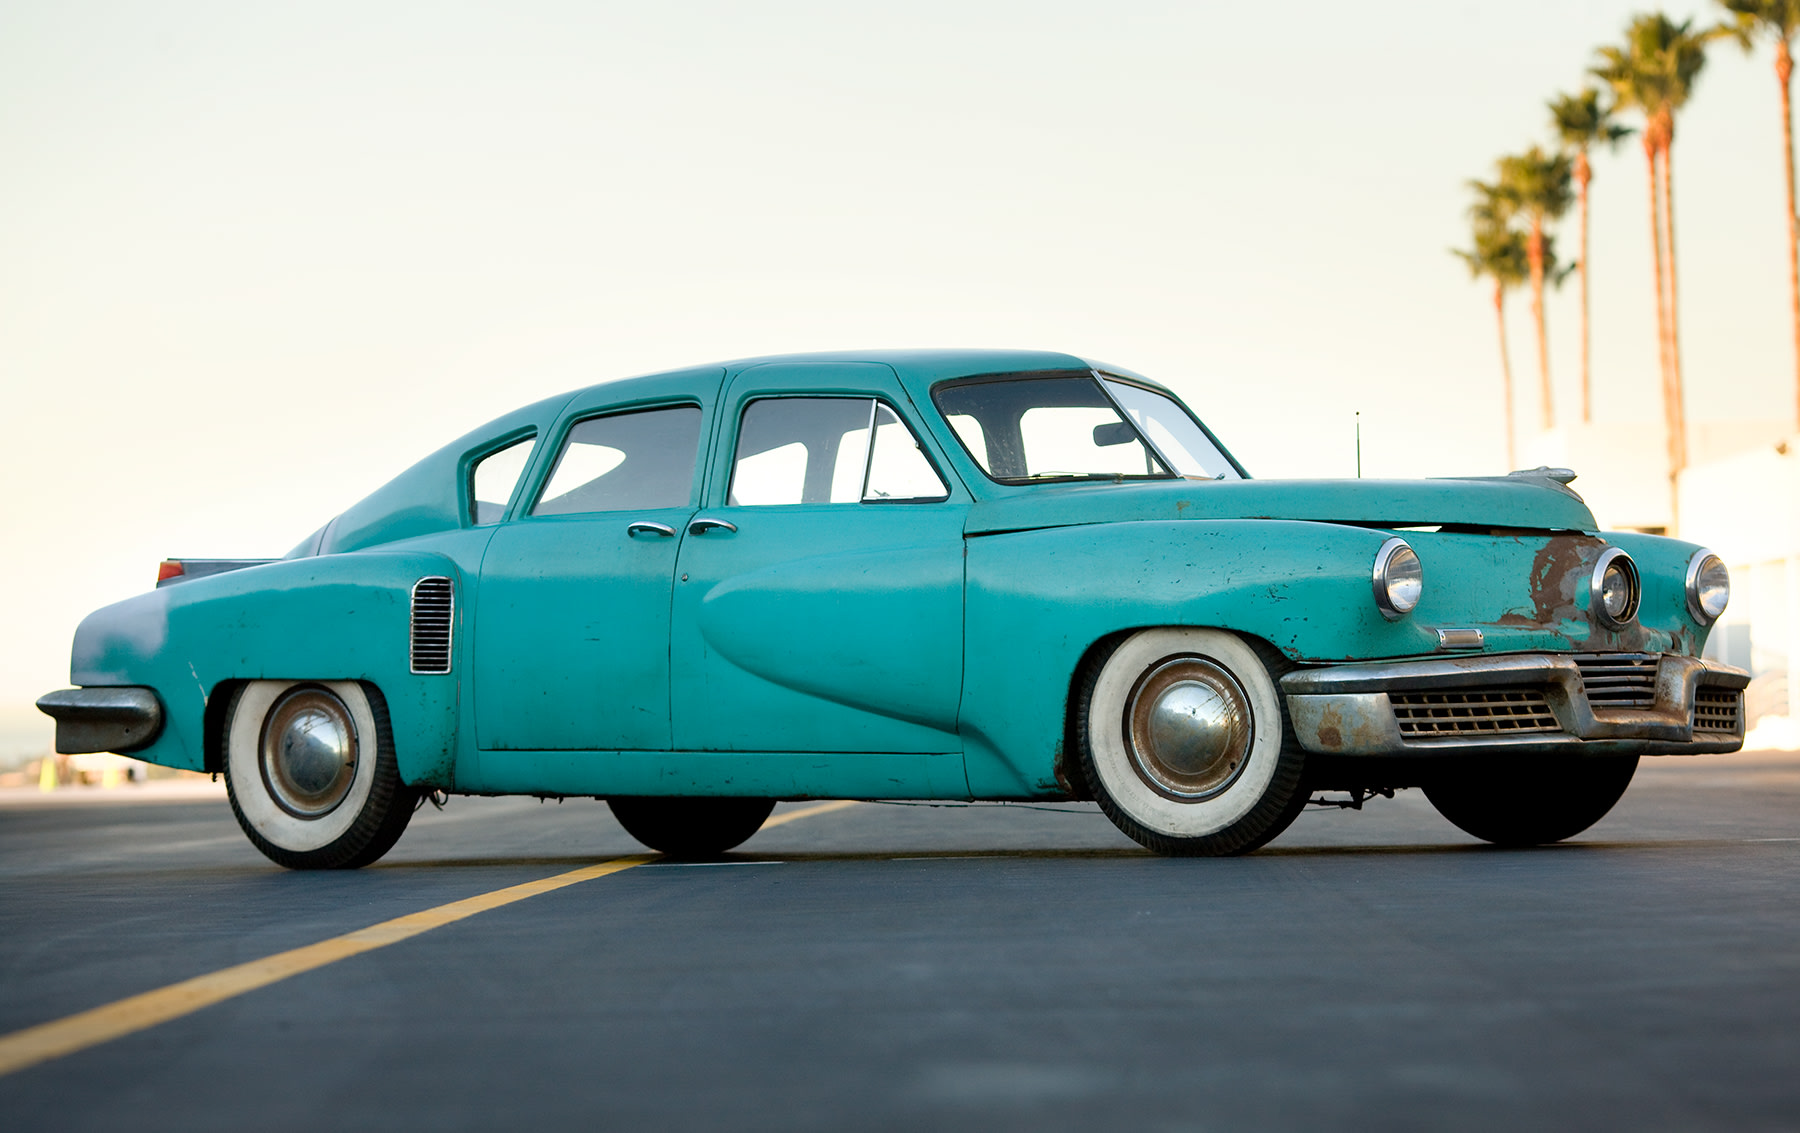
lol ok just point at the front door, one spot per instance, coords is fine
(572, 629)
(818, 606)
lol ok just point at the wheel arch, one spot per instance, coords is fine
(1067, 765)
(1036, 602)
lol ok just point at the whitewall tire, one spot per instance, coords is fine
(1183, 743)
(309, 767)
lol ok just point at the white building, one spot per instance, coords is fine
(1747, 508)
(1740, 496)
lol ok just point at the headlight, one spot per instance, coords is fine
(1399, 580)
(1708, 587)
(1613, 591)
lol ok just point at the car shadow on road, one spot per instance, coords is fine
(1092, 854)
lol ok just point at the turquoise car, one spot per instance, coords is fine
(912, 575)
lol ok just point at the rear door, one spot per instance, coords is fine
(572, 631)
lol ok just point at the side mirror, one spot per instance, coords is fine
(1117, 433)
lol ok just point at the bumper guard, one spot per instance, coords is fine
(1521, 702)
(121, 719)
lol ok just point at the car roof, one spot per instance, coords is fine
(918, 369)
(427, 497)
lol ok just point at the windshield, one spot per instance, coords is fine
(1031, 428)
(1178, 438)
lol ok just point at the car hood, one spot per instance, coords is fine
(1502, 501)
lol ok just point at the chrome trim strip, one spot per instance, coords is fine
(1461, 638)
(869, 451)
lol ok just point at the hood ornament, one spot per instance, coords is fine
(1545, 472)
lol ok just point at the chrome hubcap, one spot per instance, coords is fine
(309, 751)
(1188, 727)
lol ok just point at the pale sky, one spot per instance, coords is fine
(258, 258)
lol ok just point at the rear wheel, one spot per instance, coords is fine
(691, 828)
(1530, 803)
(1183, 745)
(310, 770)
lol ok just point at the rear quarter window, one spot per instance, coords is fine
(494, 478)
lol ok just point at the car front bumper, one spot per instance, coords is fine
(1598, 703)
(124, 718)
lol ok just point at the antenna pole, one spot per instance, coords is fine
(1359, 444)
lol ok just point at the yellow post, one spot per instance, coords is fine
(47, 774)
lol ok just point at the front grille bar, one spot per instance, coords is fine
(1474, 712)
(1718, 709)
(1619, 680)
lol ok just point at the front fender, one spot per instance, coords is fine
(338, 617)
(1036, 600)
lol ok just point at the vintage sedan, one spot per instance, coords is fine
(912, 575)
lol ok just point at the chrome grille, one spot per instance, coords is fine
(1618, 680)
(1472, 712)
(433, 613)
(1717, 709)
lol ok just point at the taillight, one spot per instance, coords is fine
(170, 568)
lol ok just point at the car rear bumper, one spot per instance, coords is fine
(1599, 703)
(121, 719)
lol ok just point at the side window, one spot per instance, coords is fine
(816, 450)
(492, 480)
(629, 460)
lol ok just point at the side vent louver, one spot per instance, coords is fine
(433, 613)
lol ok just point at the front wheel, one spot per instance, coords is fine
(690, 828)
(1182, 743)
(1529, 803)
(310, 770)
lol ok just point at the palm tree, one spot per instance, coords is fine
(1537, 186)
(1778, 20)
(1633, 87)
(1582, 122)
(1498, 253)
(1654, 73)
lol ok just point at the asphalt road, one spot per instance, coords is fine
(908, 967)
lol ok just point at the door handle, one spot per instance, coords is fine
(647, 527)
(702, 526)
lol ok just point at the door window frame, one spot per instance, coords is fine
(546, 461)
(877, 402)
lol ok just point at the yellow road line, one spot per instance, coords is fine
(115, 1020)
(790, 816)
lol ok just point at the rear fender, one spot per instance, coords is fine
(340, 617)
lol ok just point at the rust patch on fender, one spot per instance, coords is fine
(1331, 732)
(1560, 572)
(1557, 571)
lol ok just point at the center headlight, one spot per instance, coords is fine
(1613, 591)
(1708, 587)
(1399, 580)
